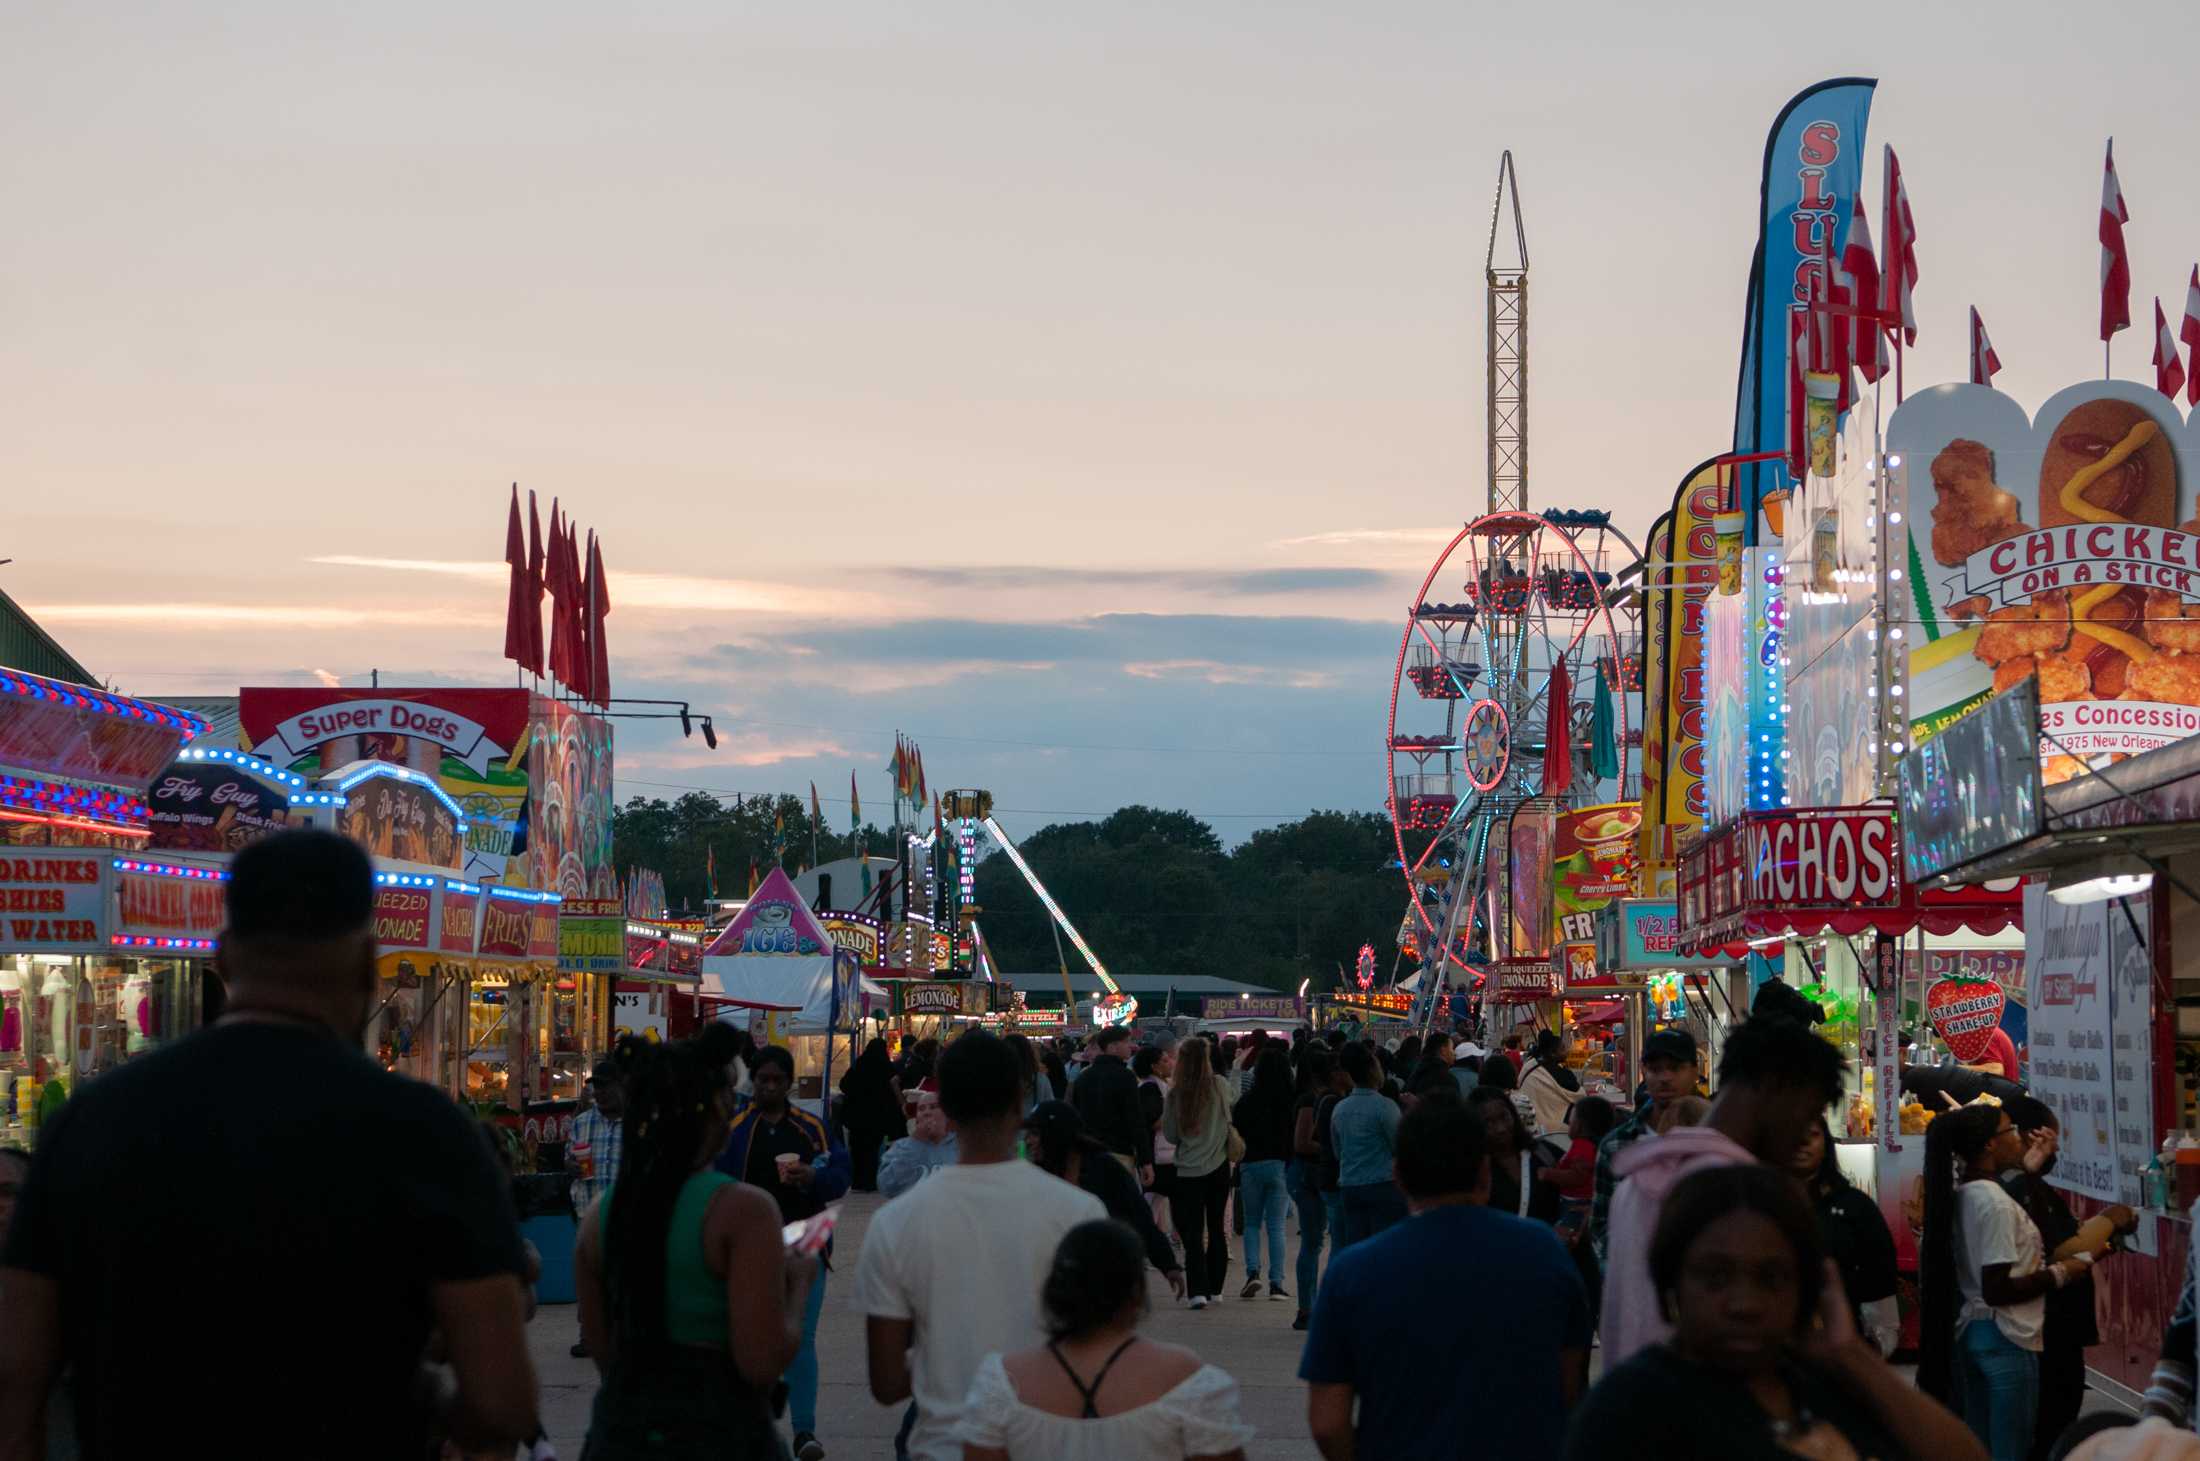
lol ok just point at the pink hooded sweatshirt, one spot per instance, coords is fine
(1647, 1171)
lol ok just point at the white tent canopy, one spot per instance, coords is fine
(802, 987)
(775, 955)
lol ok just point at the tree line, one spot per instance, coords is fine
(1154, 892)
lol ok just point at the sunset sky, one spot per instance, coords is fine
(1082, 389)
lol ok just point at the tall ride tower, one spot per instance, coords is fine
(1508, 351)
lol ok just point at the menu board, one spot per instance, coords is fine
(2091, 1040)
(51, 901)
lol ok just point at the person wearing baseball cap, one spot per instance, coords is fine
(1668, 1074)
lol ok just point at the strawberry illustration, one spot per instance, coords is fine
(1964, 1010)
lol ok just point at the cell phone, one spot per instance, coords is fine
(811, 1234)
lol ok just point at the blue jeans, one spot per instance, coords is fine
(1369, 1208)
(802, 1374)
(1260, 1189)
(1997, 1387)
(1313, 1227)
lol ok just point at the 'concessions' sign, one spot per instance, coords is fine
(591, 935)
(855, 933)
(157, 906)
(1644, 934)
(391, 817)
(454, 732)
(942, 997)
(542, 931)
(1519, 981)
(401, 917)
(461, 921)
(1839, 858)
(1249, 1007)
(507, 927)
(51, 901)
(212, 806)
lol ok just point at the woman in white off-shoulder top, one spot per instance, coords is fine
(1096, 1390)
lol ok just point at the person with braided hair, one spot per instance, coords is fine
(691, 1304)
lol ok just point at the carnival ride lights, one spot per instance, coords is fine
(1537, 581)
(973, 810)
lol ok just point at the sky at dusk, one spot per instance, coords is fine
(1080, 389)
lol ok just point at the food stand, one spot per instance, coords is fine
(776, 966)
(81, 988)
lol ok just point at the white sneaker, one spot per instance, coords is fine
(1199, 1301)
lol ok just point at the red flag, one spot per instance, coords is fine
(515, 599)
(534, 585)
(2169, 371)
(2189, 332)
(561, 648)
(1900, 276)
(1867, 345)
(599, 648)
(584, 656)
(1558, 749)
(2115, 259)
(1984, 362)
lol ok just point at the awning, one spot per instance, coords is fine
(1822, 870)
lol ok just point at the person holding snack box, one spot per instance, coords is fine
(777, 1146)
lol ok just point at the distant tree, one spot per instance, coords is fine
(678, 839)
(1154, 894)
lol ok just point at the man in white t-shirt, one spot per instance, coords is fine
(950, 1272)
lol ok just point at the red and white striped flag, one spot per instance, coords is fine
(1984, 362)
(2115, 259)
(1901, 267)
(1868, 346)
(2169, 371)
(2189, 332)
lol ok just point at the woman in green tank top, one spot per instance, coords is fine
(690, 1303)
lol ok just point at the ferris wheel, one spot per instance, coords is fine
(1501, 649)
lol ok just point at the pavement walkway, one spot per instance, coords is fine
(1252, 1339)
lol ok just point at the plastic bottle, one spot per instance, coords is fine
(2154, 1183)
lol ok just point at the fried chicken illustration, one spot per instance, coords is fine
(2060, 678)
(2056, 770)
(2172, 623)
(2171, 678)
(1970, 510)
(2038, 628)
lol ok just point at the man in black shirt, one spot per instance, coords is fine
(240, 1245)
(1106, 1096)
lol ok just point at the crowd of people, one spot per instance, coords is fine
(339, 1272)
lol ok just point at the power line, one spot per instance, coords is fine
(723, 792)
(1039, 745)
